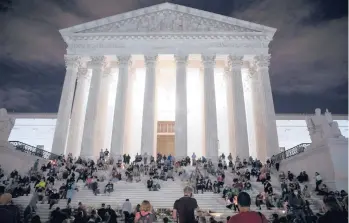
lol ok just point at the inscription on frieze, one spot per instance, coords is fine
(168, 21)
(92, 46)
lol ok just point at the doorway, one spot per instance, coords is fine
(166, 145)
(165, 138)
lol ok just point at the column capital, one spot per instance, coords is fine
(124, 60)
(107, 72)
(98, 62)
(246, 64)
(235, 61)
(208, 60)
(262, 61)
(181, 59)
(83, 73)
(72, 61)
(227, 71)
(150, 60)
(252, 70)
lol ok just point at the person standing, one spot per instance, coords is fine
(184, 208)
(127, 210)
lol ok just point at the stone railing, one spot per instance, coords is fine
(32, 150)
(291, 152)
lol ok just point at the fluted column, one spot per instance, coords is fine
(100, 141)
(258, 117)
(97, 64)
(230, 108)
(65, 105)
(148, 119)
(129, 113)
(238, 123)
(211, 133)
(118, 136)
(271, 137)
(181, 122)
(78, 113)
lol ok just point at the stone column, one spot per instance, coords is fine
(211, 133)
(97, 64)
(238, 113)
(129, 117)
(229, 91)
(148, 120)
(118, 136)
(100, 141)
(181, 122)
(271, 136)
(65, 105)
(258, 116)
(78, 113)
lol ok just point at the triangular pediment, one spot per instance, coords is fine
(167, 17)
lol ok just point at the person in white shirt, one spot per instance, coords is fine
(127, 209)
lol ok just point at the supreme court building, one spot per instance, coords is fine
(168, 79)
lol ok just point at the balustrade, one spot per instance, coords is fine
(291, 152)
(34, 151)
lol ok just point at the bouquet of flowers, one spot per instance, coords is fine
(163, 212)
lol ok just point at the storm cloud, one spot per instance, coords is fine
(309, 64)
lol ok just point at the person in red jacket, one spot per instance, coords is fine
(245, 214)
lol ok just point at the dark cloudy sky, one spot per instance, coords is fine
(309, 53)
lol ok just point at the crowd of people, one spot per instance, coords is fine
(42, 184)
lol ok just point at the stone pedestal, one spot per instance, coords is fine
(6, 145)
(11, 159)
(329, 158)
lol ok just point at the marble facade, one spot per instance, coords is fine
(141, 39)
(38, 129)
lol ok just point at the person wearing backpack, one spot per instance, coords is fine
(145, 215)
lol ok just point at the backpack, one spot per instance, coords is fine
(148, 218)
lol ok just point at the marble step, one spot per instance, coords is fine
(136, 192)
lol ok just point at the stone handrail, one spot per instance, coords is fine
(34, 151)
(291, 152)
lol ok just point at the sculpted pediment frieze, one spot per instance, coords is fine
(167, 21)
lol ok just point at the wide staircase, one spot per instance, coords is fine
(164, 198)
(136, 192)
